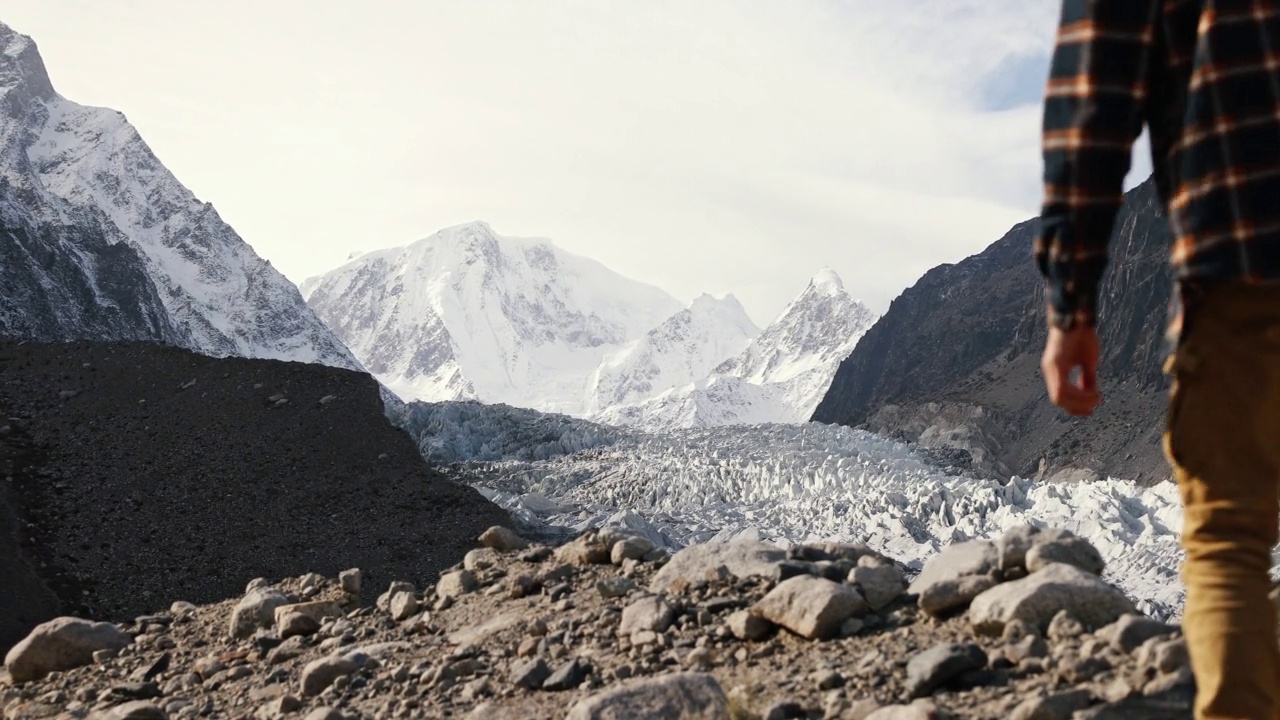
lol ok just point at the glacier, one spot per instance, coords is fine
(787, 483)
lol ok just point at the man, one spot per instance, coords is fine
(1204, 77)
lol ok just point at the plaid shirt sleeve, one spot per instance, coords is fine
(1093, 112)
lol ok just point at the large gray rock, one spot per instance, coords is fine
(61, 644)
(648, 613)
(1018, 540)
(880, 584)
(1131, 631)
(1072, 550)
(811, 607)
(257, 609)
(693, 565)
(456, 584)
(681, 696)
(1041, 595)
(940, 664)
(320, 674)
(948, 596)
(976, 557)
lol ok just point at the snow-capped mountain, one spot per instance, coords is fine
(468, 314)
(680, 351)
(101, 241)
(780, 377)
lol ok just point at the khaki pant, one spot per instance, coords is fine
(1223, 440)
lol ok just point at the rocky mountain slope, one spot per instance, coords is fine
(955, 361)
(133, 471)
(98, 240)
(605, 628)
(467, 314)
(780, 377)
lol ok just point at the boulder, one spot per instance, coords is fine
(679, 696)
(954, 594)
(811, 607)
(502, 539)
(940, 664)
(585, 550)
(976, 557)
(1071, 549)
(456, 584)
(257, 609)
(317, 610)
(694, 565)
(880, 584)
(320, 674)
(1018, 540)
(747, 626)
(61, 644)
(630, 548)
(1041, 595)
(1131, 631)
(648, 613)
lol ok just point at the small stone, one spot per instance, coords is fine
(1084, 669)
(101, 657)
(785, 710)
(679, 696)
(940, 664)
(502, 539)
(456, 584)
(811, 607)
(61, 644)
(519, 586)
(1165, 655)
(1016, 630)
(283, 705)
(615, 587)
(630, 548)
(1030, 646)
(530, 675)
(830, 680)
(320, 674)
(953, 594)
(1058, 706)
(568, 677)
(404, 605)
(326, 713)
(851, 627)
(747, 626)
(136, 710)
(1071, 549)
(1064, 626)
(918, 710)
(296, 623)
(351, 581)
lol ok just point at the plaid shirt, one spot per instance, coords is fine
(1204, 77)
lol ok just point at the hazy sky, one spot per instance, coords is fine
(700, 145)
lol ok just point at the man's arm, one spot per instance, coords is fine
(1093, 113)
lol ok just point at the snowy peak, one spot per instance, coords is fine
(21, 67)
(682, 350)
(467, 313)
(88, 205)
(827, 283)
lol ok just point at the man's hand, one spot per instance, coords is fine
(1065, 351)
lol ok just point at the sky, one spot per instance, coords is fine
(704, 146)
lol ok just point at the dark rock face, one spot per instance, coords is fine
(955, 360)
(96, 291)
(143, 473)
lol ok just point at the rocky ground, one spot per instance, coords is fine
(607, 627)
(131, 473)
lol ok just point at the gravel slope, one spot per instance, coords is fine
(152, 471)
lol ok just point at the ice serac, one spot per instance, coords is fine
(468, 314)
(954, 363)
(780, 377)
(685, 348)
(99, 240)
